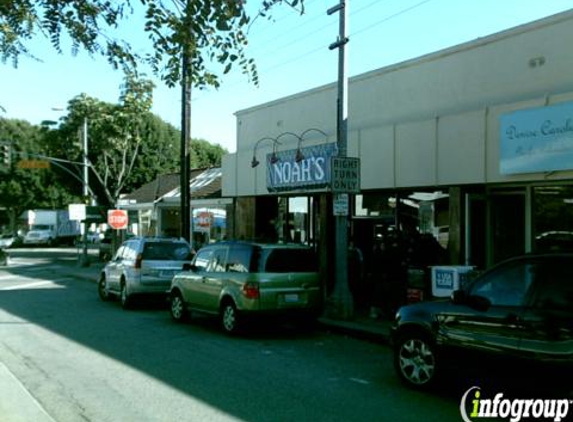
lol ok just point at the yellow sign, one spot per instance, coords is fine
(33, 164)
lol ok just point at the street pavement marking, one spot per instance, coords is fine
(35, 284)
(360, 381)
(16, 402)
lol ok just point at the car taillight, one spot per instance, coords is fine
(138, 261)
(251, 290)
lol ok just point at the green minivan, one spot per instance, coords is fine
(235, 280)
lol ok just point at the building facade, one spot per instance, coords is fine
(155, 207)
(468, 148)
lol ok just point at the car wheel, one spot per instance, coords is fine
(101, 289)
(124, 296)
(415, 360)
(229, 317)
(178, 308)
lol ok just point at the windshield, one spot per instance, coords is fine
(171, 251)
(40, 227)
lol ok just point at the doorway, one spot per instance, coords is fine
(507, 233)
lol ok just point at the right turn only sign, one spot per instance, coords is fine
(345, 175)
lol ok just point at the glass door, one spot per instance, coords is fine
(507, 227)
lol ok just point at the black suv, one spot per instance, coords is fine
(519, 312)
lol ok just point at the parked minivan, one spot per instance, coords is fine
(235, 280)
(143, 266)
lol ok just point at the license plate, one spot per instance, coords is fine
(291, 298)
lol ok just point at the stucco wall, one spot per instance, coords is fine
(432, 121)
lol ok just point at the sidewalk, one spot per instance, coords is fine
(16, 402)
(362, 326)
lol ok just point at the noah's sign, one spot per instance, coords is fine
(310, 173)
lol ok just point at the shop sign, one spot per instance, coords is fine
(345, 175)
(203, 221)
(312, 172)
(537, 140)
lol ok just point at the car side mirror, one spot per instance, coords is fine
(189, 267)
(479, 303)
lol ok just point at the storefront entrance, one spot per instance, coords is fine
(507, 224)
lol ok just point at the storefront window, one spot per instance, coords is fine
(553, 219)
(209, 225)
(400, 236)
(293, 220)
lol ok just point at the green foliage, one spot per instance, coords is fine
(127, 145)
(205, 154)
(212, 33)
(21, 189)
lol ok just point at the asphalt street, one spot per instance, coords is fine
(67, 356)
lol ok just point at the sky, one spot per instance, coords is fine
(290, 50)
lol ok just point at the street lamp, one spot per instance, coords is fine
(273, 159)
(84, 261)
(299, 155)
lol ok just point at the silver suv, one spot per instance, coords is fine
(143, 266)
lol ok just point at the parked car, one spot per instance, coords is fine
(143, 266)
(9, 241)
(235, 280)
(519, 315)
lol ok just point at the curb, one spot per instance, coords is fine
(376, 332)
(371, 330)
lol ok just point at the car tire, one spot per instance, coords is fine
(178, 309)
(124, 297)
(101, 289)
(415, 360)
(230, 321)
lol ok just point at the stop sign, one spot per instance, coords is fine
(117, 219)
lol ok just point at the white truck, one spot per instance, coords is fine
(51, 227)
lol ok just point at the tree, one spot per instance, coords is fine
(205, 154)
(128, 146)
(212, 31)
(114, 134)
(22, 189)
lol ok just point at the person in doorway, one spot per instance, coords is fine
(356, 273)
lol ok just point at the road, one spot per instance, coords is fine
(72, 357)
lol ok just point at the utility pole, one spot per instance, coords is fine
(185, 166)
(340, 304)
(84, 261)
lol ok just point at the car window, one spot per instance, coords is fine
(202, 259)
(130, 251)
(119, 252)
(554, 288)
(218, 261)
(508, 286)
(239, 259)
(290, 260)
(166, 251)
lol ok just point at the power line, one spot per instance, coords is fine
(304, 37)
(401, 12)
(272, 68)
(367, 28)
